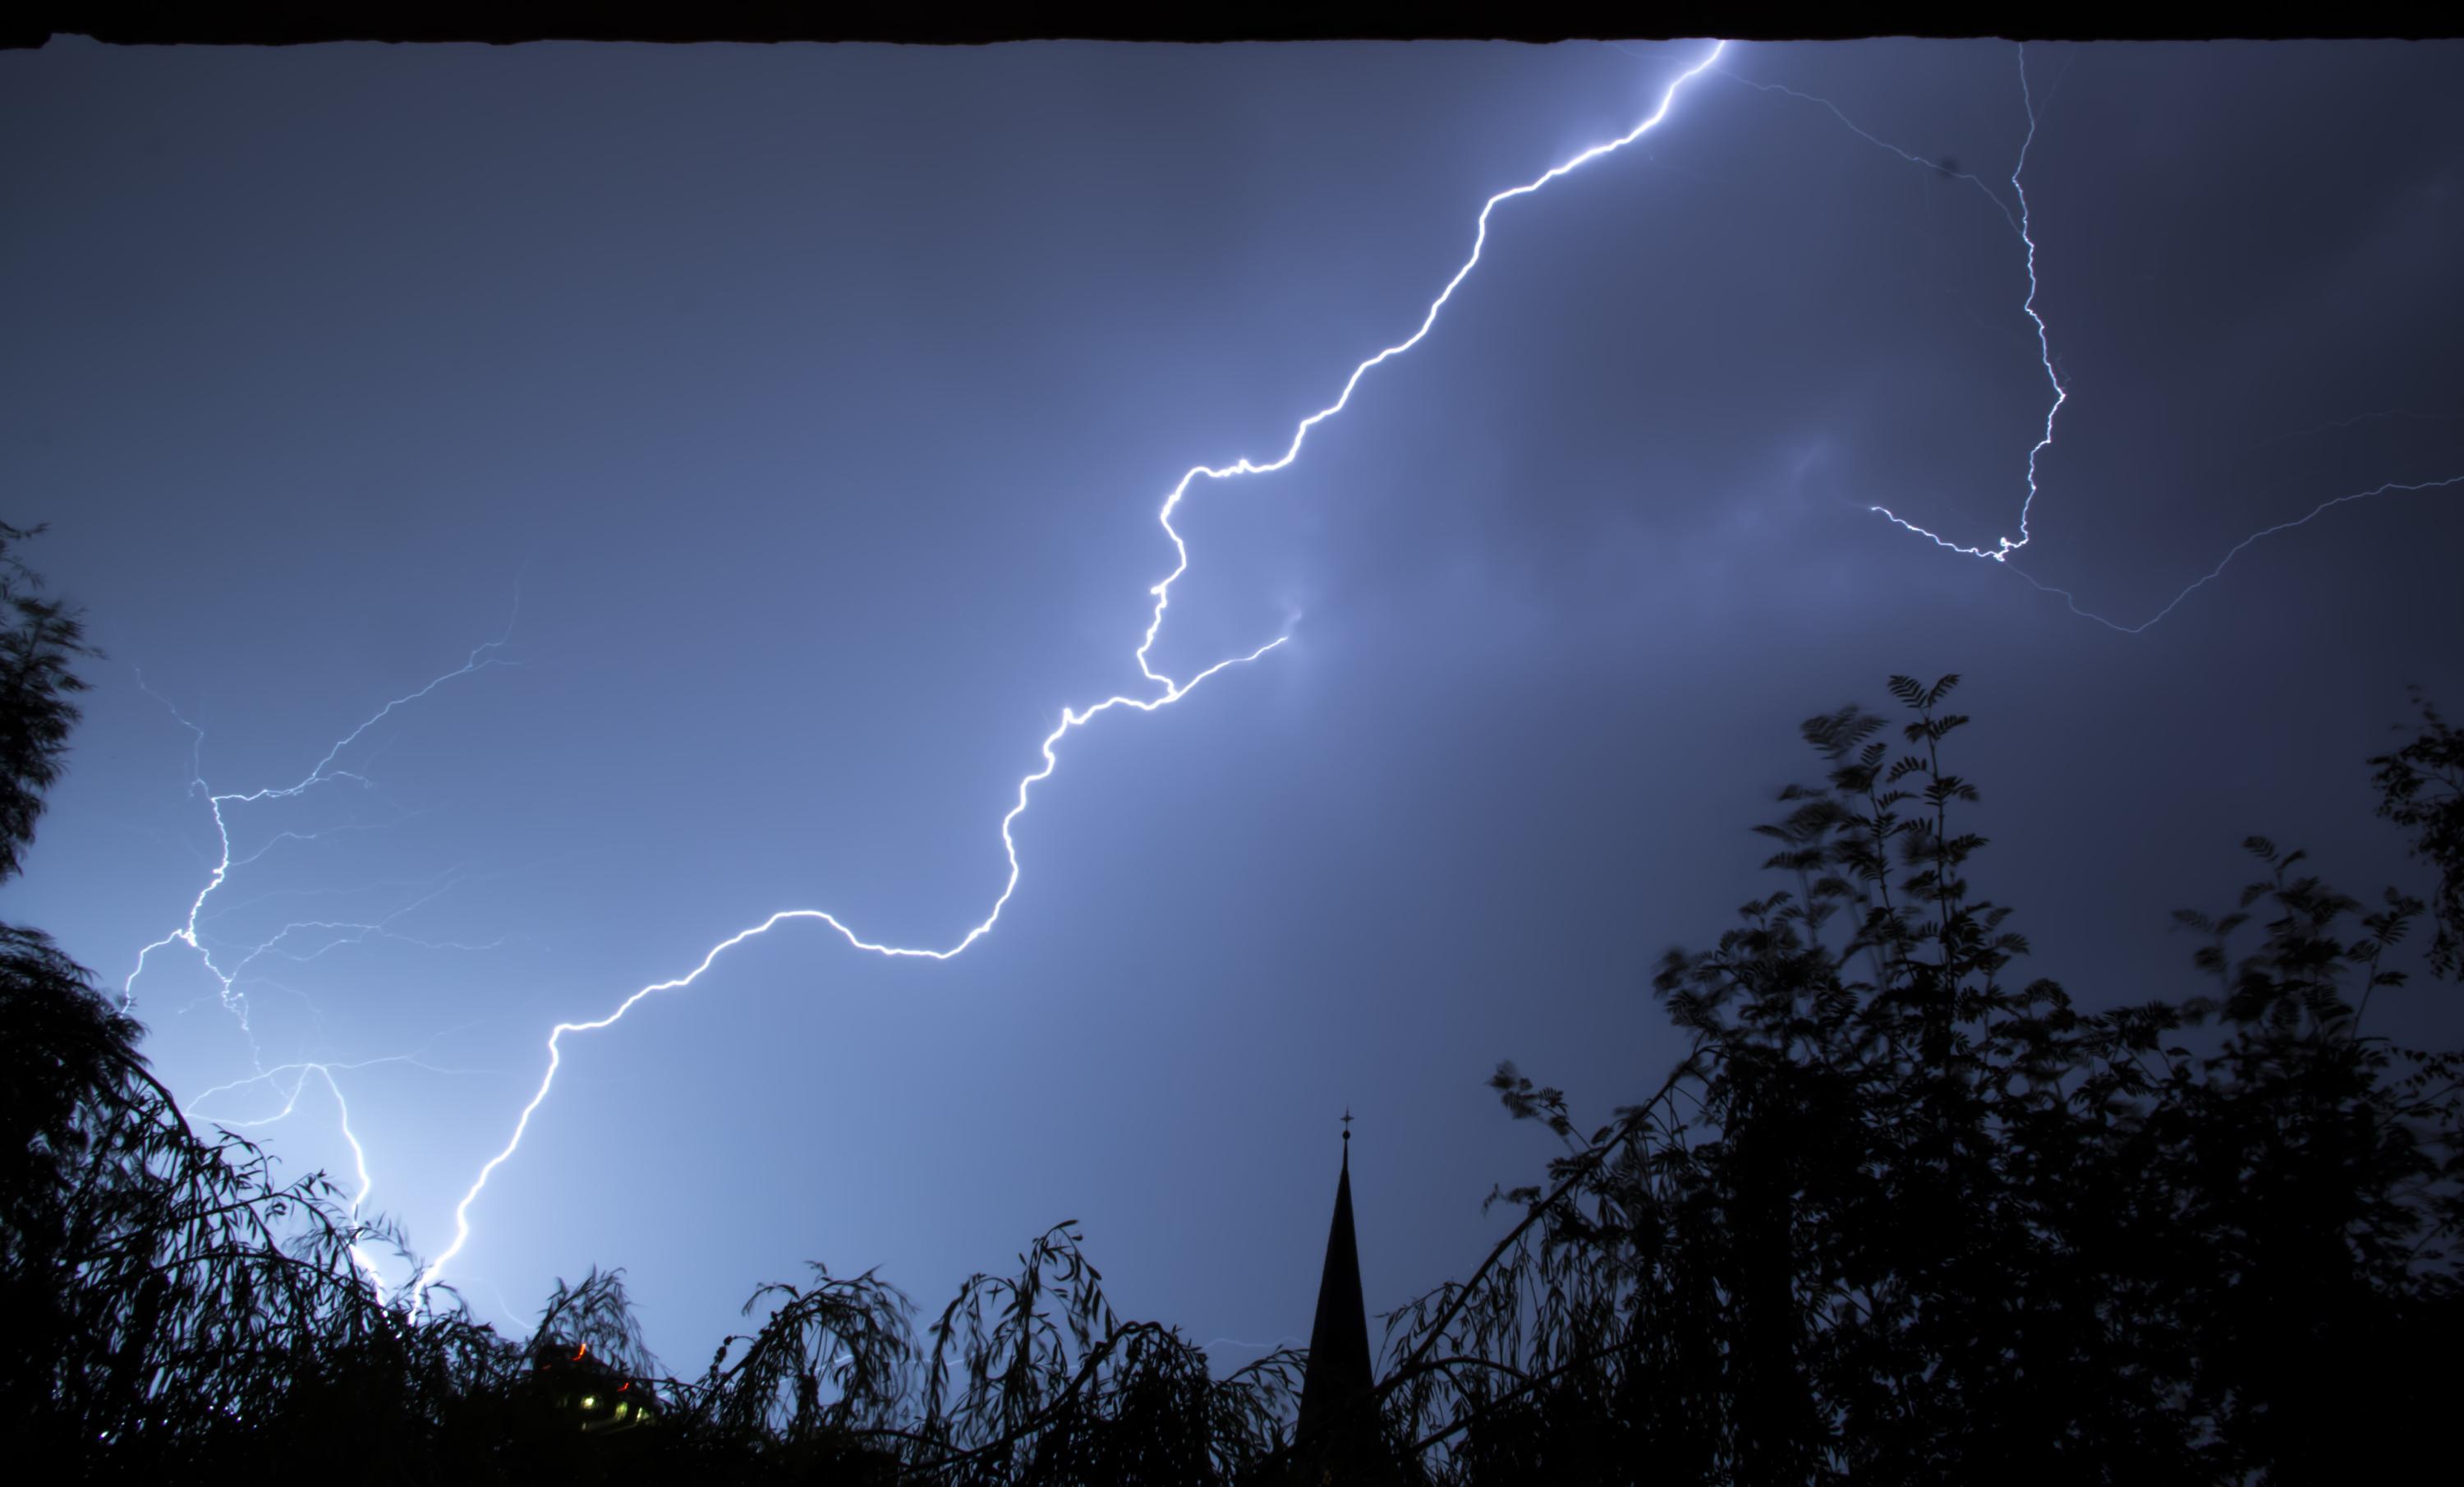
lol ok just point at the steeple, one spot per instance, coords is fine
(1338, 1360)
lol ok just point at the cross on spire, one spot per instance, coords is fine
(1347, 1122)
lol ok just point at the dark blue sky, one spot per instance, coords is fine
(817, 404)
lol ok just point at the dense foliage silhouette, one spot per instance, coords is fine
(1898, 1216)
(1901, 1217)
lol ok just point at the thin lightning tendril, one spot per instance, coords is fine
(2005, 547)
(2235, 551)
(233, 1000)
(323, 1071)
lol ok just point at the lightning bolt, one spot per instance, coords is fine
(1174, 690)
(1169, 688)
(2004, 547)
(227, 979)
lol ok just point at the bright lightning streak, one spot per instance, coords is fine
(1480, 241)
(1174, 690)
(2020, 224)
(1069, 718)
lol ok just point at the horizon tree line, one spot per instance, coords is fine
(1898, 1215)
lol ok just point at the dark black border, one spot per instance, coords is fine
(301, 22)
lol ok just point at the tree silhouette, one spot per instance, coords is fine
(1897, 1216)
(39, 639)
(2422, 786)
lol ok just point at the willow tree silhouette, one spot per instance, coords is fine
(60, 1041)
(41, 638)
(162, 1300)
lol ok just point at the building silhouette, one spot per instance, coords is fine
(596, 1398)
(1336, 1439)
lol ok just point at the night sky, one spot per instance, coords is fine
(797, 419)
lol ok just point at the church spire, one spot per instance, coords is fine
(1338, 1360)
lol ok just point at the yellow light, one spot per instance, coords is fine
(588, 1401)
